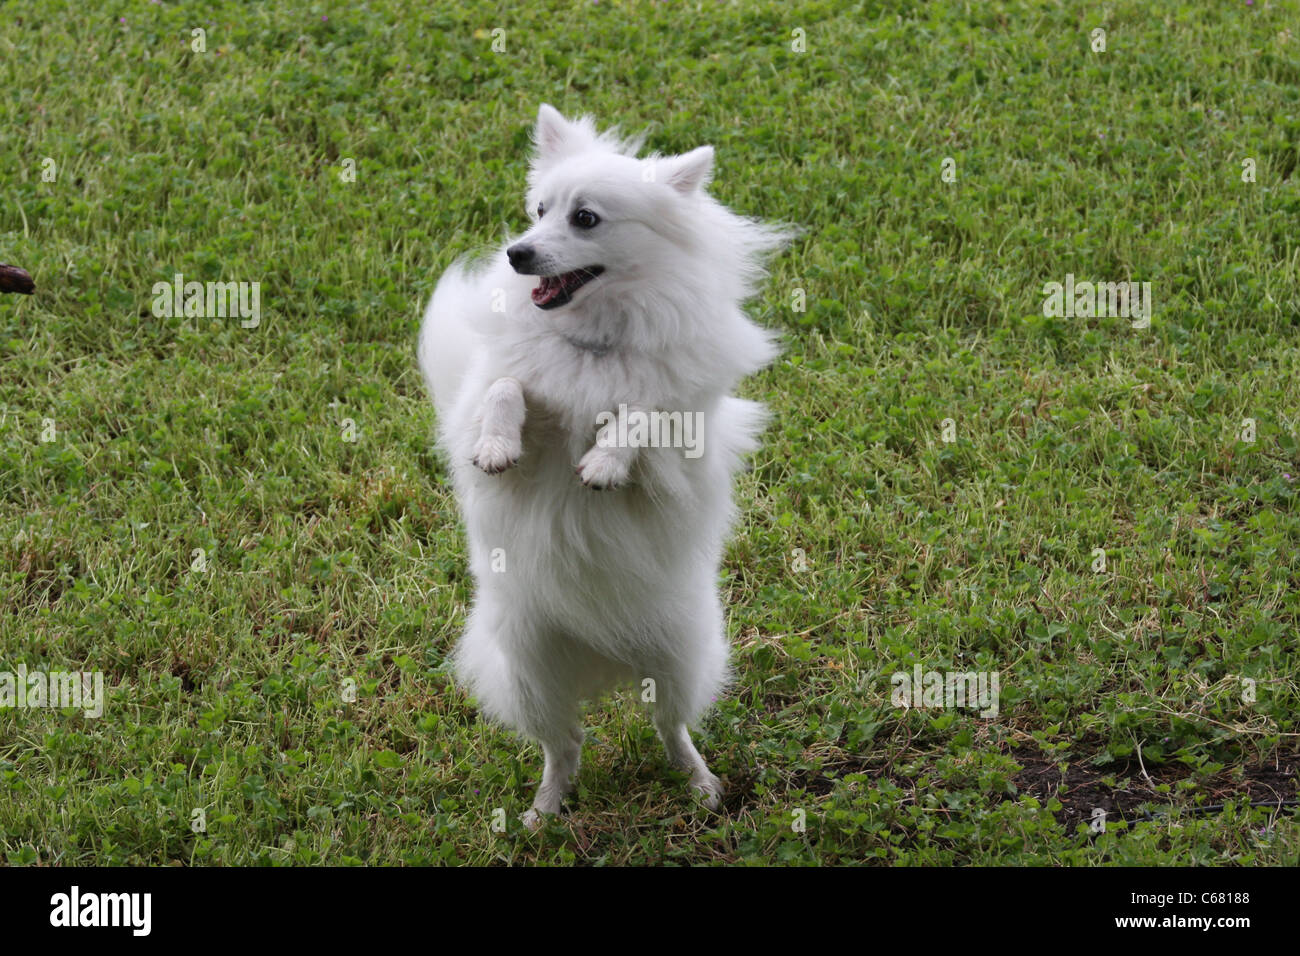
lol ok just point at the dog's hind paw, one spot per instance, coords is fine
(708, 790)
(601, 469)
(495, 454)
(535, 819)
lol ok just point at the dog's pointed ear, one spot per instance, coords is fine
(689, 171)
(552, 132)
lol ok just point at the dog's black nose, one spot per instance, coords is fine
(520, 255)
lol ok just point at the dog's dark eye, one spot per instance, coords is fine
(585, 219)
(541, 210)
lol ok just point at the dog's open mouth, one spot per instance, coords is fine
(557, 290)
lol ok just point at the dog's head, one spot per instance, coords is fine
(604, 220)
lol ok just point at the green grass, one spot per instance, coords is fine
(331, 560)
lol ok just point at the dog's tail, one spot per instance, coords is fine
(447, 336)
(739, 425)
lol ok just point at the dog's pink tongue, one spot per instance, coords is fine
(547, 290)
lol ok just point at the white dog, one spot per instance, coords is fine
(626, 339)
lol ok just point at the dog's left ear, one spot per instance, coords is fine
(689, 171)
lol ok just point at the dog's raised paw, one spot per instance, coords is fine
(495, 454)
(533, 819)
(601, 469)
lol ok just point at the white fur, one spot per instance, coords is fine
(599, 586)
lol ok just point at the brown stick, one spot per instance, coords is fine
(13, 279)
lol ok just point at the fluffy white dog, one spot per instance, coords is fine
(582, 381)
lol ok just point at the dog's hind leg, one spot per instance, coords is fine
(684, 689)
(562, 755)
(681, 751)
(507, 660)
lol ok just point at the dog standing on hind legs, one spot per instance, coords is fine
(557, 366)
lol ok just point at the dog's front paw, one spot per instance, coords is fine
(494, 454)
(602, 468)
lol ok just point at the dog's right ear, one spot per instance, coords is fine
(552, 132)
(557, 137)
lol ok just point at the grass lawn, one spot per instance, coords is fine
(247, 532)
